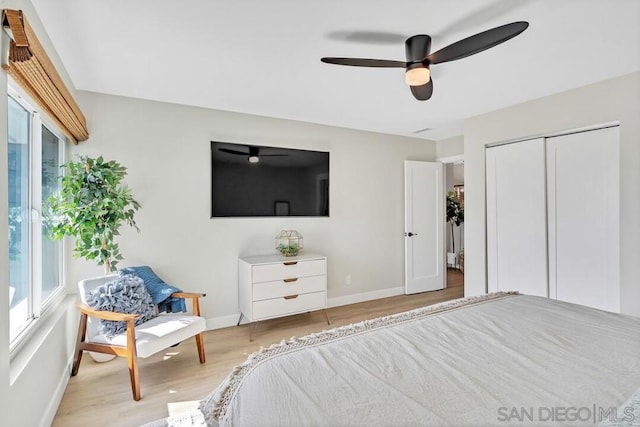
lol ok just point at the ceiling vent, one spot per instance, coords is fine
(421, 130)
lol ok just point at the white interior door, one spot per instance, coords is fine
(584, 218)
(516, 218)
(424, 226)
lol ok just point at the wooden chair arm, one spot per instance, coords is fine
(107, 315)
(195, 297)
(188, 295)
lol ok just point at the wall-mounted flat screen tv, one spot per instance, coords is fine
(258, 181)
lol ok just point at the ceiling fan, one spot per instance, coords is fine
(419, 58)
(253, 154)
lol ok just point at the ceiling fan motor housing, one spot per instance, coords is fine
(417, 48)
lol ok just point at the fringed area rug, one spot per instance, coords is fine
(186, 419)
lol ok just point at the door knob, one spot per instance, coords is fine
(410, 234)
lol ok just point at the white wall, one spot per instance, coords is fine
(32, 383)
(166, 148)
(450, 146)
(611, 100)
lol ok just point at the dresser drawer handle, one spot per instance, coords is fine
(291, 296)
(290, 263)
(290, 280)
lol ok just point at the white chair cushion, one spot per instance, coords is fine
(151, 337)
(159, 333)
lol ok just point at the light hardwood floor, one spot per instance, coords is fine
(101, 394)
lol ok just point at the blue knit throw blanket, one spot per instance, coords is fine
(159, 290)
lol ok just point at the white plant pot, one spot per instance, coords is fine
(101, 357)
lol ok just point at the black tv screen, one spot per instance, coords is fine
(252, 180)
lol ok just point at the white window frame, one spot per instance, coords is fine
(35, 305)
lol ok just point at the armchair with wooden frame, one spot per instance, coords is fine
(142, 340)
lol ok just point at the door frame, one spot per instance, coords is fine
(458, 158)
(551, 134)
(448, 160)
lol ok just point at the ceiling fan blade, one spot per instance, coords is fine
(424, 92)
(273, 155)
(368, 37)
(363, 62)
(477, 43)
(238, 153)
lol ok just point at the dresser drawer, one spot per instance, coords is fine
(288, 270)
(281, 288)
(277, 307)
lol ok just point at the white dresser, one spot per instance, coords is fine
(274, 286)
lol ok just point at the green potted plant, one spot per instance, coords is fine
(91, 206)
(455, 216)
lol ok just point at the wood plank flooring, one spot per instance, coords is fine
(101, 393)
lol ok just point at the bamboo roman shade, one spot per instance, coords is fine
(32, 69)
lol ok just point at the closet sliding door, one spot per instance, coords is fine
(516, 218)
(583, 193)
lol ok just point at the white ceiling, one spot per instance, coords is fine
(263, 57)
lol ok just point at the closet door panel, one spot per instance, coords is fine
(516, 218)
(584, 218)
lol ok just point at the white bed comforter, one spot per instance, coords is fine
(493, 360)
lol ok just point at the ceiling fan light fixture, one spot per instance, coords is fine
(417, 76)
(254, 159)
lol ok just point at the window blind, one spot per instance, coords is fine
(32, 69)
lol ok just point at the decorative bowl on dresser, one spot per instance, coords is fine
(273, 286)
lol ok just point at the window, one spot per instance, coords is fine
(35, 261)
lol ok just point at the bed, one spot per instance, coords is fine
(495, 359)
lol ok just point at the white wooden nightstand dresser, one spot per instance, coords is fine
(273, 286)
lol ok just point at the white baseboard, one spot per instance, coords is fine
(364, 296)
(232, 319)
(222, 321)
(56, 398)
